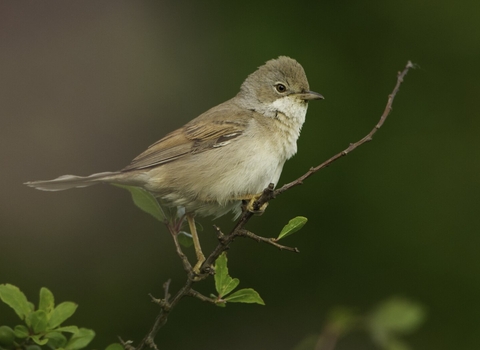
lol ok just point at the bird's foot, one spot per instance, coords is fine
(251, 204)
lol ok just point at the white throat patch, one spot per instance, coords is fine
(292, 107)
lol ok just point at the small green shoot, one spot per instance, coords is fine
(43, 325)
(224, 284)
(293, 226)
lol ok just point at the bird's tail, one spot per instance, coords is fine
(65, 182)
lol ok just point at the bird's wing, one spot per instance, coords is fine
(214, 128)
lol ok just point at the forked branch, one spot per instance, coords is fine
(167, 304)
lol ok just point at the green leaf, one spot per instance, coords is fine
(20, 331)
(37, 339)
(185, 239)
(81, 339)
(224, 284)
(67, 329)
(61, 313)
(145, 201)
(33, 347)
(56, 340)
(397, 315)
(198, 226)
(31, 306)
(47, 301)
(14, 297)
(247, 295)
(38, 321)
(7, 336)
(231, 284)
(293, 226)
(115, 346)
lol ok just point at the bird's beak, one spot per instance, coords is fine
(310, 95)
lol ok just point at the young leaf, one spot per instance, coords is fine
(145, 201)
(81, 339)
(7, 337)
(33, 347)
(185, 239)
(37, 320)
(36, 339)
(61, 313)
(115, 346)
(221, 303)
(293, 226)
(247, 295)
(67, 329)
(47, 301)
(224, 284)
(231, 284)
(14, 297)
(31, 306)
(20, 331)
(56, 340)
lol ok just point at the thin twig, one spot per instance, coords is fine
(238, 231)
(161, 320)
(186, 264)
(195, 294)
(353, 146)
(271, 241)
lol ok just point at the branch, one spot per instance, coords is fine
(195, 294)
(165, 308)
(271, 241)
(353, 146)
(268, 194)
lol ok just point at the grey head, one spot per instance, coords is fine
(276, 79)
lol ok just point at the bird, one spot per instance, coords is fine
(226, 155)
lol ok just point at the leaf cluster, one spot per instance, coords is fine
(42, 325)
(224, 284)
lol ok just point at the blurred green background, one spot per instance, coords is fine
(85, 86)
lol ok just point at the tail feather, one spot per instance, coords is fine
(65, 182)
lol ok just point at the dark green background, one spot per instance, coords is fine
(85, 86)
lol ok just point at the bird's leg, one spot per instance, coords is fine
(248, 203)
(196, 243)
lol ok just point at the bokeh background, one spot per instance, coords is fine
(85, 86)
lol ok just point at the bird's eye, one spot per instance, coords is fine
(280, 88)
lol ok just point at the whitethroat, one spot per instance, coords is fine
(228, 154)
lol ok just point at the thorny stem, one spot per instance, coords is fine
(269, 193)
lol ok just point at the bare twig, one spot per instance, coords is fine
(195, 294)
(186, 264)
(127, 344)
(165, 309)
(353, 146)
(271, 241)
(238, 231)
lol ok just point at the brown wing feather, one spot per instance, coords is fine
(171, 147)
(208, 131)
